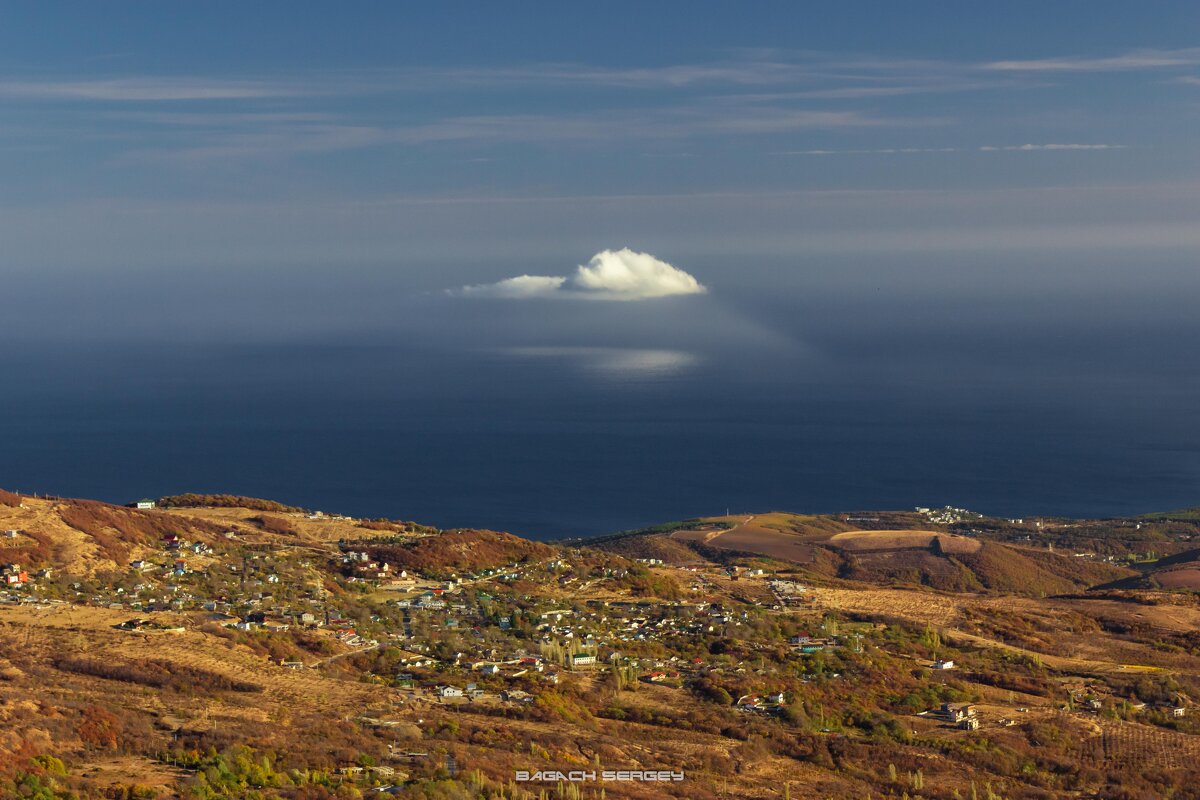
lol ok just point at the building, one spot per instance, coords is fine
(583, 660)
(943, 664)
(15, 576)
(144, 503)
(957, 712)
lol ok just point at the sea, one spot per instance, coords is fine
(564, 419)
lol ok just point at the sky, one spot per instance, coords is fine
(888, 195)
(140, 139)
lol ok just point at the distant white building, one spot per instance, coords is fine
(943, 664)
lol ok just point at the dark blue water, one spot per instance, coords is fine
(863, 411)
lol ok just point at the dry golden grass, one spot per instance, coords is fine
(896, 540)
(47, 633)
(1066, 649)
(1187, 577)
(67, 545)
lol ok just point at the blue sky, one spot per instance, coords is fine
(408, 148)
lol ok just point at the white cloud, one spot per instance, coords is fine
(610, 275)
(516, 288)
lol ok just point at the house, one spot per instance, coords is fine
(429, 600)
(969, 724)
(943, 664)
(583, 660)
(957, 712)
(490, 669)
(15, 576)
(11, 534)
(144, 503)
(750, 702)
(449, 691)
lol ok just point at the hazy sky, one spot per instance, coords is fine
(968, 185)
(231, 150)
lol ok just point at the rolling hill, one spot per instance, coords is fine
(239, 648)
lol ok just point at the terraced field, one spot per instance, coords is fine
(1141, 747)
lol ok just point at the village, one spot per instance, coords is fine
(744, 642)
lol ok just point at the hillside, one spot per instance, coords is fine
(85, 536)
(885, 548)
(262, 653)
(1179, 571)
(457, 551)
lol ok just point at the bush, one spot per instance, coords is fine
(191, 500)
(275, 525)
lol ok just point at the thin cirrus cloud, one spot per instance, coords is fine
(143, 89)
(261, 137)
(1132, 60)
(1012, 148)
(621, 275)
(814, 75)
